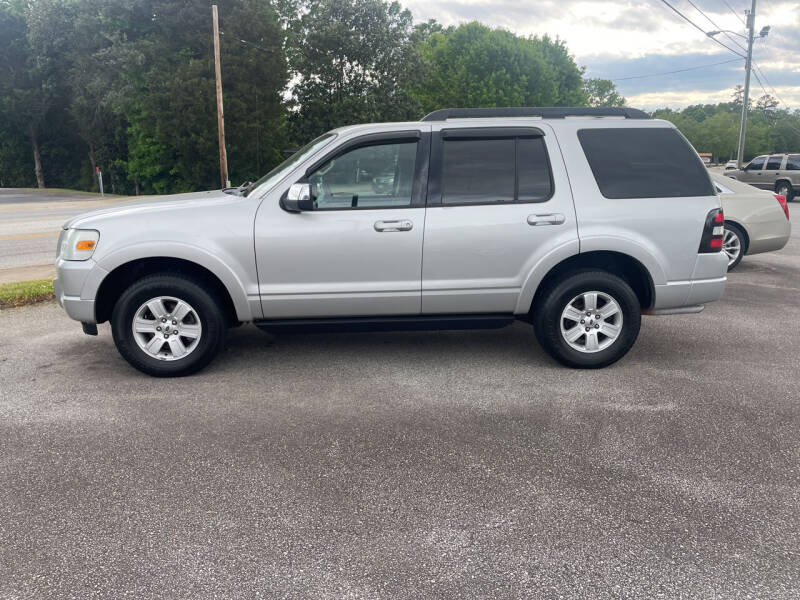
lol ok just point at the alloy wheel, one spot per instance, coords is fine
(591, 322)
(732, 246)
(167, 328)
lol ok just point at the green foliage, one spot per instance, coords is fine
(473, 65)
(715, 128)
(602, 92)
(351, 59)
(129, 86)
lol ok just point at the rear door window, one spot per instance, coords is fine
(793, 162)
(478, 171)
(644, 163)
(494, 170)
(774, 163)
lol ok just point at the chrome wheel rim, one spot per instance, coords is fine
(732, 246)
(783, 191)
(591, 322)
(167, 328)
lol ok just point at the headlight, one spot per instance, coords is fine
(78, 244)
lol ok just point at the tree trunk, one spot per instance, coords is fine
(94, 166)
(37, 158)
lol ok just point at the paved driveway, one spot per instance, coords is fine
(443, 465)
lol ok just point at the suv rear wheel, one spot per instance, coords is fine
(587, 319)
(168, 325)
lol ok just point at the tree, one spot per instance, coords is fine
(350, 60)
(602, 92)
(31, 87)
(475, 66)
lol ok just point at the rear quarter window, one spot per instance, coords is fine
(644, 163)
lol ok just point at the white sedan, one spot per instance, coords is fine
(755, 220)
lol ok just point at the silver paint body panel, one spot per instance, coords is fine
(453, 259)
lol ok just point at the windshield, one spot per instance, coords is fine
(278, 172)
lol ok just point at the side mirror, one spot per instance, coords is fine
(298, 198)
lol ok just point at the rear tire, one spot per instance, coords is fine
(596, 342)
(784, 188)
(182, 332)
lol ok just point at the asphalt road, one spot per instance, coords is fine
(410, 465)
(30, 221)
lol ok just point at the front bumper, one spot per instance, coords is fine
(75, 286)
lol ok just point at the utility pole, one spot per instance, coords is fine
(223, 155)
(751, 22)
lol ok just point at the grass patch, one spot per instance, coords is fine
(25, 292)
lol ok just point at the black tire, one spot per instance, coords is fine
(784, 188)
(734, 229)
(554, 299)
(206, 306)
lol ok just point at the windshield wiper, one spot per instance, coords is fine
(240, 190)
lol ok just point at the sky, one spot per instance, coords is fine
(626, 40)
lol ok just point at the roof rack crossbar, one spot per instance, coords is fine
(532, 111)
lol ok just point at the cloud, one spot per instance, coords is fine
(623, 38)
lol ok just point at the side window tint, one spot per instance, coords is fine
(644, 162)
(755, 164)
(376, 176)
(533, 170)
(478, 171)
(774, 163)
(793, 162)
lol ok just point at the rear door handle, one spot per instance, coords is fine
(552, 219)
(387, 226)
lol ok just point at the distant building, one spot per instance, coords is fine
(706, 157)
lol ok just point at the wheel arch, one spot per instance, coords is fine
(121, 276)
(744, 230)
(623, 265)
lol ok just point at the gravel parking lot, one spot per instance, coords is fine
(410, 465)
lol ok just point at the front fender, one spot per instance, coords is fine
(247, 307)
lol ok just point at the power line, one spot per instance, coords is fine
(256, 46)
(717, 27)
(736, 14)
(774, 91)
(724, 62)
(700, 29)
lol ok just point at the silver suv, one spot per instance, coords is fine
(576, 220)
(778, 172)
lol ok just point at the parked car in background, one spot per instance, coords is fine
(731, 164)
(755, 220)
(777, 172)
(478, 218)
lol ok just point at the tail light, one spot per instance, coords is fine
(784, 205)
(713, 232)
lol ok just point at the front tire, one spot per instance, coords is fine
(587, 319)
(168, 325)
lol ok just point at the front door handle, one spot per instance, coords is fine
(553, 219)
(387, 226)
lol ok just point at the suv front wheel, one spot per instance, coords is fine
(168, 325)
(587, 319)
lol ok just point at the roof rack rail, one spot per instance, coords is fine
(532, 111)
